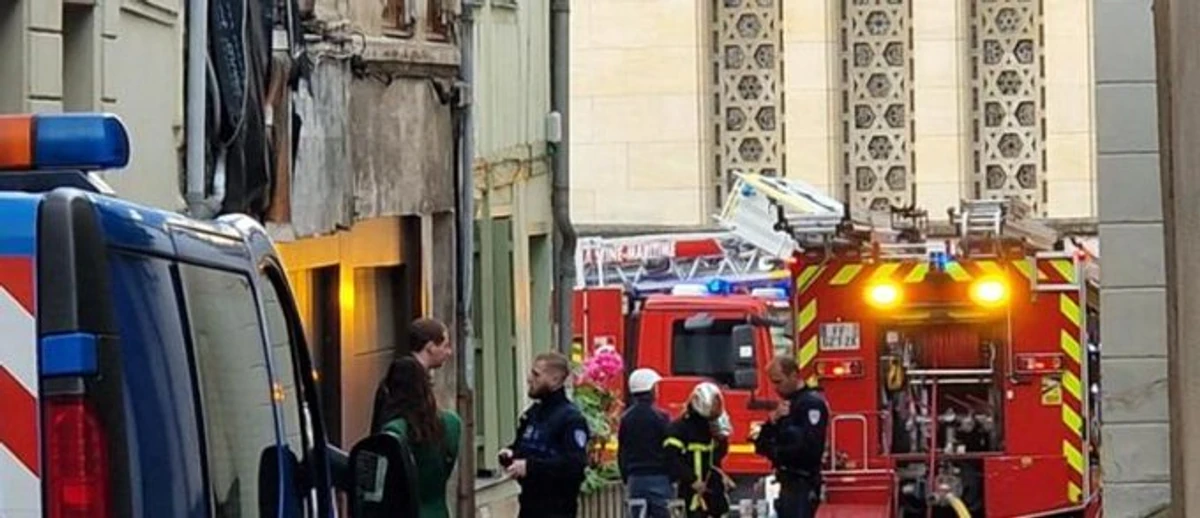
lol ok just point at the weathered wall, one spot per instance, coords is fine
(1133, 297)
(401, 148)
(321, 182)
(369, 150)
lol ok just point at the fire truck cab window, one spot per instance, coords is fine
(708, 352)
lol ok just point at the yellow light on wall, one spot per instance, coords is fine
(883, 295)
(989, 292)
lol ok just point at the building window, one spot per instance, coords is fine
(748, 107)
(1008, 100)
(437, 20)
(876, 79)
(398, 16)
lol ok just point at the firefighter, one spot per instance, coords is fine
(696, 443)
(641, 456)
(549, 455)
(794, 440)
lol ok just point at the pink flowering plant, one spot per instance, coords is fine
(598, 380)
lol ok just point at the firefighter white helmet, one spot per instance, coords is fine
(706, 400)
(643, 380)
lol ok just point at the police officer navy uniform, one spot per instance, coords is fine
(549, 454)
(794, 441)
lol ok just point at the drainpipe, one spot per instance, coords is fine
(564, 235)
(197, 58)
(464, 367)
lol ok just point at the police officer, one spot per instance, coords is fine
(794, 440)
(641, 456)
(696, 443)
(549, 454)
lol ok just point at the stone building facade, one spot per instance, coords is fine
(876, 101)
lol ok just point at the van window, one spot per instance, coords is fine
(235, 389)
(296, 404)
(705, 352)
(163, 428)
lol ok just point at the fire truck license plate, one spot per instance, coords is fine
(839, 336)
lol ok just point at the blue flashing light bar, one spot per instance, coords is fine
(78, 141)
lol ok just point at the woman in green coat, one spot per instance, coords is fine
(410, 412)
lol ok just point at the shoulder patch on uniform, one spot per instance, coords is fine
(581, 438)
(814, 416)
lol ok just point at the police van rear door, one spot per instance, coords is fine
(61, 427)
(20, 468)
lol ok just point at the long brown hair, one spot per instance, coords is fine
(410, 396)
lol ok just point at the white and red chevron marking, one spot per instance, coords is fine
(20, 486)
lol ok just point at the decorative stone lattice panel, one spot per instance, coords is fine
(748, 107)
(1008, 100)
(876, 78)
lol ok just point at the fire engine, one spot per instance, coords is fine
(960, 373)
(695, 307)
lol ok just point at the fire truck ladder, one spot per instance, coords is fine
(658, 261)
(784, 215)
(996, 221)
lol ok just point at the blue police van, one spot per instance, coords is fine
(152, 364)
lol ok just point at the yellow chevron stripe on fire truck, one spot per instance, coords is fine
(989, 267)
(1074, 493)
(1069, 309)
(1073, 420)
(807, 315)
(807, 352)
(917, 274)
(1074, 457)
(957, 272)
(846, 274)
(1065, 268)
(1071, 346)
(806, 277)
(1073, 386)
(884, 272)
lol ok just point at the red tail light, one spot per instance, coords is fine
(852, 368)
(1039, 363)
(76, 460)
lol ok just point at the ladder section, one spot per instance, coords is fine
(660, 260)
(1008, 220)
(780, 215)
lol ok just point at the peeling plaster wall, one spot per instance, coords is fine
(321, 184)
(402, 145)
(369, 150)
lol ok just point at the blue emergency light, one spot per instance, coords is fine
(718, 286)
(938, 260)
(76, 141)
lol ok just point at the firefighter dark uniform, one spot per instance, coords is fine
(696, 454)
(795, 445)
(552, 438)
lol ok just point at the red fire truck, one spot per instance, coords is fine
(695, 308)
(961, 375)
